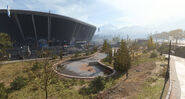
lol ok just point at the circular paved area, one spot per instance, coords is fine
(85, 67)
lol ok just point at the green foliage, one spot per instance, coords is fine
(153, 55)
(18, 83)
(36, 66)
(45, 76)
(105, 47)
(3, 91)
(109, 56)
(150, 44)
(133, 48)
(94, 87)
(5, 43)
(122, 59)
(97, 85)
(95, 49)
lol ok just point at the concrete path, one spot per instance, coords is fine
(177, 74)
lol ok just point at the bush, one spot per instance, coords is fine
(153, 55)
(94, 87)
(3, 91)
(97, 85)
(36, 66)
(18, 83)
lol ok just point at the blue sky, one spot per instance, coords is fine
(117, 12)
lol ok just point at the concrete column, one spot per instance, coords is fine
(49, 27)
(78, 31)
(73, 34)
(34, 27)
(19, 26)
(89, 35)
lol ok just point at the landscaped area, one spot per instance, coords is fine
(142, 81)
(140, 72)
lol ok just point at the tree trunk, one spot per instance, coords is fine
(46, 90)
(46, 81)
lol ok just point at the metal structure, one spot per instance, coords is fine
(31, 27)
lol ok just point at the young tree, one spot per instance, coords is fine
(133, 48)
(122, 59)
(110, 56)
(176, 34)
(45, 74)
(150, 44)
(95, 49)
(5, 43)
(105, 46)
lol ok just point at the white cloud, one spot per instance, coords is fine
(144, 12)
(116, 12)
(4, 3)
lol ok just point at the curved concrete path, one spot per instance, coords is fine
(177, 73)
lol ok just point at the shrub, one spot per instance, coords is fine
(94, 87)
(153, 55)
(36, 66)
(18, 83)
(3, 91)
(97, 85)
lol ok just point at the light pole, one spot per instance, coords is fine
(168, 68)
(169, 53)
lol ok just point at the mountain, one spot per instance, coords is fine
(132, 31)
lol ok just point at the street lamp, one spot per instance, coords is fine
(168, 68)
(169, 53)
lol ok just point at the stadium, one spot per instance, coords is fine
(44, 29)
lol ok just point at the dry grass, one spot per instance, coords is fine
(9, 71)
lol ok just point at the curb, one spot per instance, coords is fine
(78, 77)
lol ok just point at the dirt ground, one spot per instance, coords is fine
(128, 88)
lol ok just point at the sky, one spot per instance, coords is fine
(120, 13)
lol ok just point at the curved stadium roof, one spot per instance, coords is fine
(25, 24)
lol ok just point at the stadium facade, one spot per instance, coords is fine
(32, 28)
